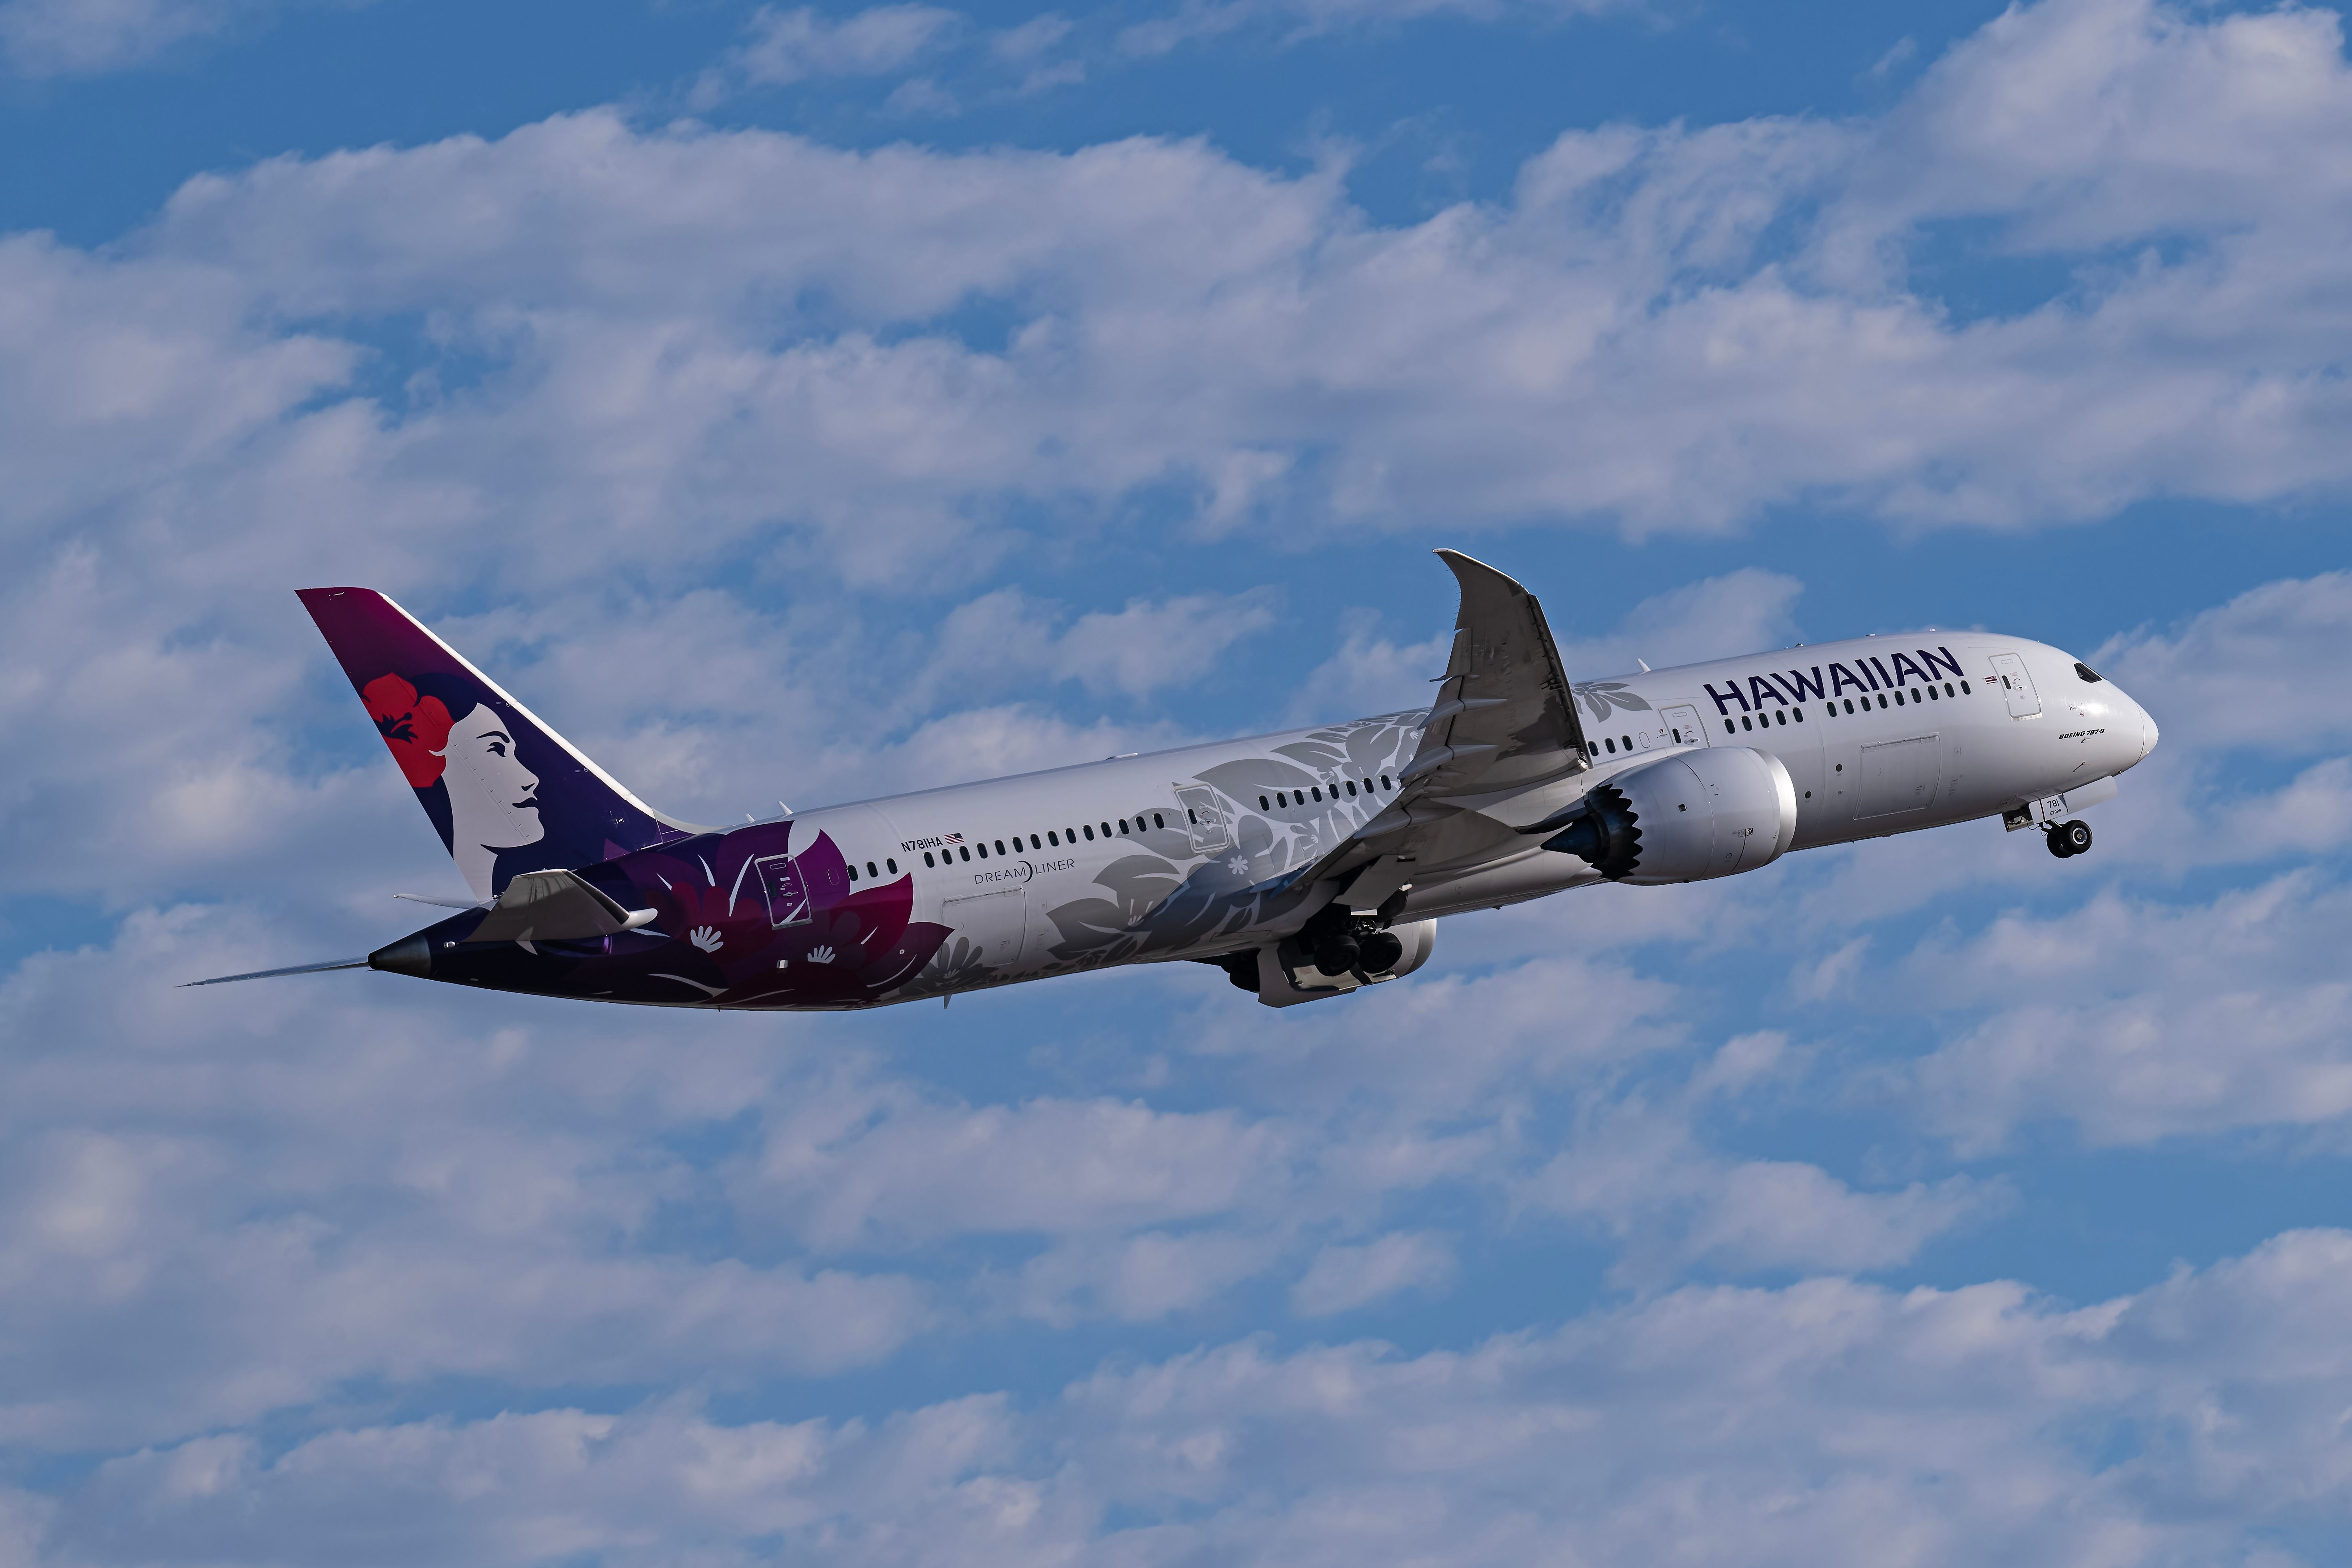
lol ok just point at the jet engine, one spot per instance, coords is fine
(1684, 818)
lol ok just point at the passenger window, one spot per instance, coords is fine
(1612, 745)
(1932, 696)
(1964, 688)
(1626, 741)
(870, 870)
(1882, 699)
(1157, 821)
(1105, 827)
(1091, 836)
(1318, 794)
(1351, 788)
(965, 850)
(1034, 844)
(1384, 782)
(1263, 805)
(892, 864)
(927, 859)
(1122, 825)
(1053, 838)
(982, 847)
(1800, 715)
(853, 870)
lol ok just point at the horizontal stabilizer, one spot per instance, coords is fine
(272, 973)
(555, 906)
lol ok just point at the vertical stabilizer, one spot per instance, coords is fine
(508, 794)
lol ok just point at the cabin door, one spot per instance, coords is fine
(1682, 727)
(1204, 819)
(2016, 685)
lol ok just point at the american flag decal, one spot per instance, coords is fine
(952, 838)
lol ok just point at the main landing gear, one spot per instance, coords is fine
(2067, 840)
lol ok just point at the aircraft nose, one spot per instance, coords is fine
(2147, 734)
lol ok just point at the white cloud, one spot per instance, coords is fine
(707, 347)
(1002, 639)
(885, 1169)
(1345, 1277)
(2136, 1022)
(1641, 1174)
(787, 47)
(215, 1204)
(1615, 344)
(2241, 674)
(1829, 1422)
(711, 357)
(1139, 1279)
(1192, 20)
(86, 38)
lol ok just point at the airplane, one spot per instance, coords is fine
(1308, 865)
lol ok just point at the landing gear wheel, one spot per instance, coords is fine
(1380, 952)
(2067, 840)
(1337, 958)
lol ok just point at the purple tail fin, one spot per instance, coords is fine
(508, 794)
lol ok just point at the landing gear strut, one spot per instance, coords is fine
(2067, 839)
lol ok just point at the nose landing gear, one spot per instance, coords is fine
(2067, 840)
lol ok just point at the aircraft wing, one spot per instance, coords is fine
(1504, 717)
(1503, 726)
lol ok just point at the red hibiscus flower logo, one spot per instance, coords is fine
(418, 731)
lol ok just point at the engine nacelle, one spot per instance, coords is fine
(1686, 817)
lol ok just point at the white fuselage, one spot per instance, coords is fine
(1044, 873)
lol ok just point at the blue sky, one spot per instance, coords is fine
(808, 405)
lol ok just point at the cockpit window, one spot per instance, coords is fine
(2086, 671)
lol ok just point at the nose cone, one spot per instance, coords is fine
(2147, 734)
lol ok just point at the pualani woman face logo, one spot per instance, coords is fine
(467, 772)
